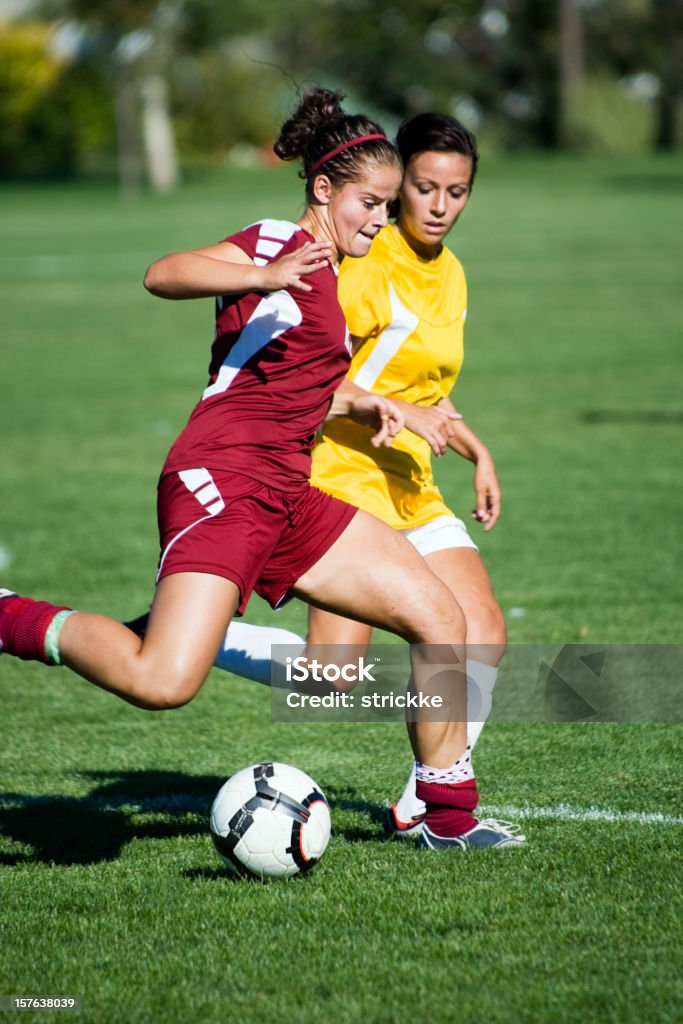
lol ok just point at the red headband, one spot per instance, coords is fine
(340, 149)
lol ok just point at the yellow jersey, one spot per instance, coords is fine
(410, 314)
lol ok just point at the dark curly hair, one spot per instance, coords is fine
(318, 126)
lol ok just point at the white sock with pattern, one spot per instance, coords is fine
(481, 678)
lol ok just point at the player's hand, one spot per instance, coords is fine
(380, 413)
(432, 423)
(487, 492)
(289, 271)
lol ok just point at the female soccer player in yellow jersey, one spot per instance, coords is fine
(405, 304)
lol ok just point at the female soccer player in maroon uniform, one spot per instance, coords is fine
(236, 511)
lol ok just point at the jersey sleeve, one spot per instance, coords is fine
(364, 296)
(246, 240)
(267, 240)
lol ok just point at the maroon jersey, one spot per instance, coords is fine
(276, 360)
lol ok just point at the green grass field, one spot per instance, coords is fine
(109, 885)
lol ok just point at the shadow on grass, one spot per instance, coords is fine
(645, 417)
(67, 830)
(85, 830)
(368, 830)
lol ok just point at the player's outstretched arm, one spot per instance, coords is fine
(366, 407)
(430, 422)
(487, 490)
(225, 269)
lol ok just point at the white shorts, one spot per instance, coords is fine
(443, 532)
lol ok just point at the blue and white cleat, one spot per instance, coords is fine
(393, 827)
(489, 832)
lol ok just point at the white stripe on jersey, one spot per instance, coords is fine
(268, 247)
(274, 315)
(272, 236)
(402, 325)
(280, 229)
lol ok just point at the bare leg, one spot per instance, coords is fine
(465, 575)
(328, 628)
(372, 573)
(333, 638)
(189, 617)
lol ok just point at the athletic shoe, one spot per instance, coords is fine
(489, 832)
(392, 826)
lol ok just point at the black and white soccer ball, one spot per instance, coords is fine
(270, 820)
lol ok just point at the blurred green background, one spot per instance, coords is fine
(142, 88)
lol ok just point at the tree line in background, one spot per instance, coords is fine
(137, 82)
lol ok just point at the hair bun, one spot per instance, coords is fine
(318, 109)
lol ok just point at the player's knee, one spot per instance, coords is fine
(168, 700)
(434, 616)
(486, 625)
(173, 690)
(498, 627)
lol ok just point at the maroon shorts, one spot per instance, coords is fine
(229, 525)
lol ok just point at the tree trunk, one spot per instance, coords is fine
(571, 67)
(128, 135)
(665, 118)
(159, 139)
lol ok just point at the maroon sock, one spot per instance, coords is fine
(449, 806)
(23, 625)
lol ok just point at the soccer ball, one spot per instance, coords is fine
(270, 820)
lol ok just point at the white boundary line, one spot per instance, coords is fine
(564, 812)
(177, 803)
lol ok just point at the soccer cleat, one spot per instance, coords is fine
(392, 826)
(489, 832)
